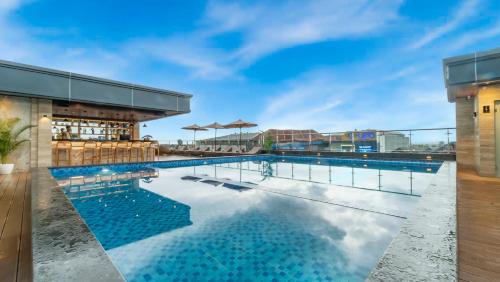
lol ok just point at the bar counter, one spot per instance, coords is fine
(88, 152)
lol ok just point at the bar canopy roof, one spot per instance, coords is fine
(87, 96)
(463, 75)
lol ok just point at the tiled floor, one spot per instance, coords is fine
(15, 227)
(478, 227)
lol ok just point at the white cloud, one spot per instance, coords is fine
(297, 23)
(18, 43)
(8, 5)
(462, 14)
(190, 52)
(475, 36)
(266, 27)
(324, 101)
(307, 101)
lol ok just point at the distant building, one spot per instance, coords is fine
(392, 142)
(353, 141)
(296, 139)
(308, 139)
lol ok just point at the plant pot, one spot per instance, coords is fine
(6, 168)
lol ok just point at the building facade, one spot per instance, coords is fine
(473, 84)
(53, 100)
(393, 142)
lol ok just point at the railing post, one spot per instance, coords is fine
(379, 180)
(448, 135)
(352, 140)
(277, 139)
(411, 182)
(310, 140)
(330, 174)
(410, 142)
(330, 141)
(352, 168)
(309, 172)
(293, 140)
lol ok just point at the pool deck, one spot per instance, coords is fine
(478, 213)
(425, 248)
(64, 248)
(15, 227)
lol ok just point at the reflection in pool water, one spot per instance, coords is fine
(231, 232)
(121, 212)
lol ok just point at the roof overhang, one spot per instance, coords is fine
(37, 82)
(463, 75)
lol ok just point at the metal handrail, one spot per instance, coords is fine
(319, 141)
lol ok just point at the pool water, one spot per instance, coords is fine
(247, 219)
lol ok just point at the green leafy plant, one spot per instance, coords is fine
(9, 137)
(268, 142)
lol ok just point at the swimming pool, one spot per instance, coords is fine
(264, 218)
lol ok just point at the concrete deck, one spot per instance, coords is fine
(64, 249)
(425, 248)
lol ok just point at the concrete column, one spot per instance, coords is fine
(466, 145)
(137, 131)
(44, 134)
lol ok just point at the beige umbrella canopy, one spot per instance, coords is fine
(215, 126)
(194, 128)
(240, 124)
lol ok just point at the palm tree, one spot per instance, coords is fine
(9, 137)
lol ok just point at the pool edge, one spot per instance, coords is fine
(64, 249)
(425, 249)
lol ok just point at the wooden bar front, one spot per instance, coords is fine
(89, 152)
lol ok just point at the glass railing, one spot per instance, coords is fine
(435, 140)
(405, 181)
(429, 140)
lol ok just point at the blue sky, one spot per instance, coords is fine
(329, 65)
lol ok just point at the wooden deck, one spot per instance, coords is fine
(478, 227)
(15, 228)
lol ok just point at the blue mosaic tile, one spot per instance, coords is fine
(153, 237)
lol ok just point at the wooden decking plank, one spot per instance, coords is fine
(10, 238)
(478, 221)
(3, 178)
(25, 262)
(6, 200)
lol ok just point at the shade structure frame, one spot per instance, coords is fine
(215, 126)
(194, 128)
(240, 124)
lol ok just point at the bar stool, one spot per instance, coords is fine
(90, 147)
(107, 152)
(152, 149)
(123, 149)
(137, 148)
(65, 147)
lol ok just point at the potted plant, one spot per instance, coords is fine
(9, 142)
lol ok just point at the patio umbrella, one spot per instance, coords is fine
(240, 124)
(194, 128)
(215, 126)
